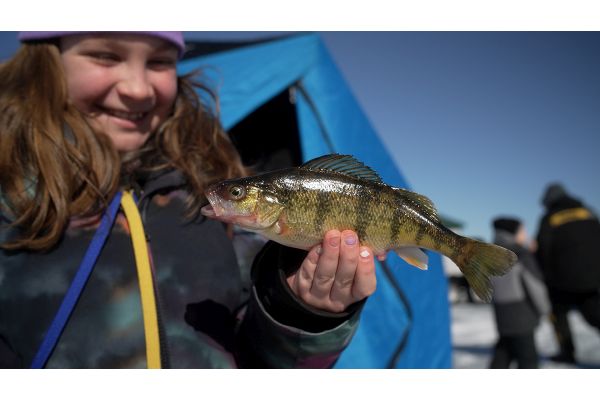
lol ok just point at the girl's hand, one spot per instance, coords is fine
(336, 273)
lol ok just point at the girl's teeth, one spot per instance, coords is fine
(126, 115)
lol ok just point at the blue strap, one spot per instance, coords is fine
(85, 269)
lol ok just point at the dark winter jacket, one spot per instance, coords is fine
(515, 313)
(568, 243)
(212, 316)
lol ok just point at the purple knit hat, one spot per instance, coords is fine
(175, 38)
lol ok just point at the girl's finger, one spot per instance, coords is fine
(326, 266)
(341, 291)
(365, 280)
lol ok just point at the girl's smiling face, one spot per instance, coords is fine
(126, 85)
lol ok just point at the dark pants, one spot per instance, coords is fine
(588, 304)
(520, 348)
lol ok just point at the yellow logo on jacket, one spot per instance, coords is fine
(570, 215)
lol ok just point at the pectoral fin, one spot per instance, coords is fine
(268, 210)
(414, 256)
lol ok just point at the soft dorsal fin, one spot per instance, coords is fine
(422, 203)
(342, 164)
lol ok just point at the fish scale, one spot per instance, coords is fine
(310, 213)
(297, 206)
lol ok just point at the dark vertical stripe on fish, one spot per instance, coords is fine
(323, 207)
(420, 234)
(457, 249)
(395, 225)
(365, 197)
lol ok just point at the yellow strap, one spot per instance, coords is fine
(142, 261)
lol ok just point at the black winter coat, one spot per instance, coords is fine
(568, 244)
(212, 315)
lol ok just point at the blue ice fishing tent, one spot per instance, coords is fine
(284, 101)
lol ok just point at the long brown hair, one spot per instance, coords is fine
(54, 167)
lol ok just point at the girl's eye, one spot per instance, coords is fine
(237, 192)
(163, 62)
(104, 57)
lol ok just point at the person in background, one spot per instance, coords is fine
(567, 249)
(519, 299)
(86, 117)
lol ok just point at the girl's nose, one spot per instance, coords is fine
(135, 85)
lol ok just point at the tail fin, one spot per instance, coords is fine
(481, 261)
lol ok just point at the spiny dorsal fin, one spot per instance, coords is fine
(423, 203)
(342, 164)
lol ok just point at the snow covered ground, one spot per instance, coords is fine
(474, 335)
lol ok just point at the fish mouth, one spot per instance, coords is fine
(218, 213)
(216, 209)
(222, 211)
(208, 211)
(213, 209)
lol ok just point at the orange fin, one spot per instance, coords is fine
(414, 256)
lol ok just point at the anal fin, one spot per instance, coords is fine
(414, 256)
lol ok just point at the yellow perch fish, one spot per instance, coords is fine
(296, 206)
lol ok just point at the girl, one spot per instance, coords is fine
(86, 118)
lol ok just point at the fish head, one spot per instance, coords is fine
(243, 203)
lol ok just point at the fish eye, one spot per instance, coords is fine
(237, 192)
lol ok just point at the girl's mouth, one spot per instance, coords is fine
(126, 115)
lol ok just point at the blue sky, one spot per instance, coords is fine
(479, 122)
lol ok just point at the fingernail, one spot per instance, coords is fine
(350, 240)
(319, 250)
(334, 241)
(364, 253)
